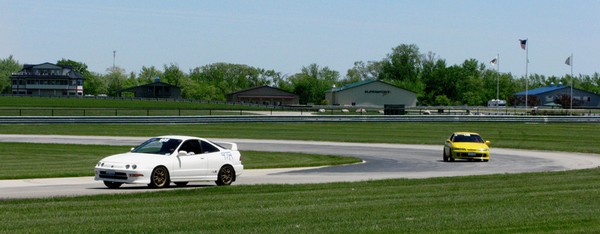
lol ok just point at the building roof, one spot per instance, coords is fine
(48, 70)
(361, 83)
(542, 90)
(261, 87)
(153, 84)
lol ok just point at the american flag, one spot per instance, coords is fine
(523, 43)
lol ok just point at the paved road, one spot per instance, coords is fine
(381, 161)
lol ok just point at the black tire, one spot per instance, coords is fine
(445, 157)
(159, 178)
(112, 185)
(181, 184)
(226, 175)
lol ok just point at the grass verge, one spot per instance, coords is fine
(25, 160)
(516, 203)
(571, 137)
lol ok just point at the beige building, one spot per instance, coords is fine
(373, 93)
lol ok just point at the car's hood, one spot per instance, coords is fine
(470, 145)
(130, 157)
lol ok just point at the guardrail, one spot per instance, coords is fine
(317, 118)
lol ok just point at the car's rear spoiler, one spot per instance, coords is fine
(232, 146)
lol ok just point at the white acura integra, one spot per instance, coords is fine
(165, 159)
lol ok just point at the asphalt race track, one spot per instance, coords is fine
(381, 161)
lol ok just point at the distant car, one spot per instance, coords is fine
(178, 159)
(466, 145)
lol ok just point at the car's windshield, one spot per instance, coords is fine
(164, 146)
(468, 138)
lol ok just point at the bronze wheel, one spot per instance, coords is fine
(226, 175)
(159, 178)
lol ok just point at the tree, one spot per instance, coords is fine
(172, 75)
(115, 80)
(312, 82)
(402, 67)
(148, 74)
(362, 71)
(95, 84)
(8, 66)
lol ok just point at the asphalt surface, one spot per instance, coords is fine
(380, 161)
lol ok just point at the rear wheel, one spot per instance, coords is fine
(112, 185)
(226, 175)
(159, 178)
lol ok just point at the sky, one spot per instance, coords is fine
(287, 35)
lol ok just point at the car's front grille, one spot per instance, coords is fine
(473, 155)
(115, 175)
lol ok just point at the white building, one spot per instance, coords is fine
(371, 93)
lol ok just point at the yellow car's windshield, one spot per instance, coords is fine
(468, 138)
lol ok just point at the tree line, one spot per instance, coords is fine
(435, 82)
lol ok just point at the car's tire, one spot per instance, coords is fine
(181, 184)
(112, 185)
(225, 176)
(445, 157)
(159, 178)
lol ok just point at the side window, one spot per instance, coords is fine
(208, 148)
(191, 146)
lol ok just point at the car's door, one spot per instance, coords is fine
(191, 163)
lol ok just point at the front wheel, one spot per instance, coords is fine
(226, 175)
(445, 157)
(159, 178)
(112, 185)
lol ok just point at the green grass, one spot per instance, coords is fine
(573, 137)
(557, 202)
(46, 102)
(26, 160)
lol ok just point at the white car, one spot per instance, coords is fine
(165, 159)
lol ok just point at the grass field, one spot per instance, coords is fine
(59, 102)
(553, 202)
(578, 137)
(25, 160)
(558, 202)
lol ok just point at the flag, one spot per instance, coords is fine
(568, 61)
(494, 61)
(523, 43)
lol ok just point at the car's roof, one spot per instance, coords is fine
(466, 133)
(181, 137)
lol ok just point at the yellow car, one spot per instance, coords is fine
(466, 145)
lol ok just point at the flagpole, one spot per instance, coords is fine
(571, 63)
(526, 74)
(497, 83)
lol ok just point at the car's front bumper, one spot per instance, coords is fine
(470, 154)
(123, 176)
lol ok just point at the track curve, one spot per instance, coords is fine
(381, 161)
